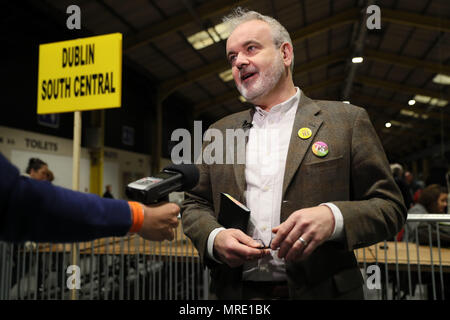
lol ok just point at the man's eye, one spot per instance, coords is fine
(232, 58)
(251, 48)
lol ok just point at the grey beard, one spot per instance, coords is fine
(265, 83)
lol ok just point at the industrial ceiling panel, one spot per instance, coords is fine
(412, 6)
(290, 15)
(97, 17)
(194, 93)
(317, 46)
(395, 38)
(342, 5)
(379, 70)
(170, 7)
(214, 85)
(340, 37)
(439, 8)
(139, 13)
(316, 10)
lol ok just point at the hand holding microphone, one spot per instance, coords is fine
(157, 219)
(160, 220)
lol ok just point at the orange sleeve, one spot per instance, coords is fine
(137, 216)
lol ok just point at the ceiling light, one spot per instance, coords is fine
(357, 59)
(346, 101)
(208, 37)
(431, 101)
(407, 112)
(388, 124)
(442, 79)
(438, 102)
(226, 75)
(402, 124)
(412, 102)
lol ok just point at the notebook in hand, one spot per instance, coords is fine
(233, 214)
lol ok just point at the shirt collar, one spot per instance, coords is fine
(279, 110)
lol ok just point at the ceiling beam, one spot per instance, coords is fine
(415, 20)
(403, 145)
(392, 86)
(234, 94)
(177, 22)
(345, 17)
(432, 151)
(359, 34)
(316, 28)
(408, 62)
(378, 103)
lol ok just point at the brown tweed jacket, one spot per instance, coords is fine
(354, 175)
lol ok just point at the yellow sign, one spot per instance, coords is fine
(81, 74)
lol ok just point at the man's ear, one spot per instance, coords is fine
(287, 53)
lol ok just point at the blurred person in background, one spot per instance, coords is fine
(433, 199)
(397, 172)
(37, 169)
(108, 193)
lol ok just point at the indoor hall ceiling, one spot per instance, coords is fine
(400, 60)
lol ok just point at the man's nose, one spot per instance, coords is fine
(241, 60)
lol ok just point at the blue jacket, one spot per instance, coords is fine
(39, 211)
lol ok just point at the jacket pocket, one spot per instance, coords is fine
(347, 280)
(323, 163)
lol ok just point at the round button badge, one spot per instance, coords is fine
(320, 149)
(304, 133)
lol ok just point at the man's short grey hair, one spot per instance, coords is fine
(279, 33)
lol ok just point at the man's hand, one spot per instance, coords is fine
(234, 247)
(314, 225)
(159, 221)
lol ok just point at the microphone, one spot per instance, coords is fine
(247, 125)
(172, 178)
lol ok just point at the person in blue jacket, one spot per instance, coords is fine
(32, 210)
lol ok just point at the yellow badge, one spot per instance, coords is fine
(304, 133)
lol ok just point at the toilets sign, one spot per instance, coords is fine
(81, 74)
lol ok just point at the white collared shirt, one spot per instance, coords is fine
(266, 153)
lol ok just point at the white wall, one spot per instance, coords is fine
(61, 166)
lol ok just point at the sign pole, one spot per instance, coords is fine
(76, 179)
(74, 76)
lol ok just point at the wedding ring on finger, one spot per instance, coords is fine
(303, 241)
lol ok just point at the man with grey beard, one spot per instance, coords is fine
(324, 190)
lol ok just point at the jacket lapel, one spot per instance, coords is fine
(307, 116)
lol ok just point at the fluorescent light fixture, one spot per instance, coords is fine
(226, 75)
(438, 102)
(407, 112)
(412, 102)
(401, 124)
(410, 113)
(204, 38)
(430, 101)
(422, 99)
(346, 101)
(357, 59)
(442, 79)
(388, 124)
